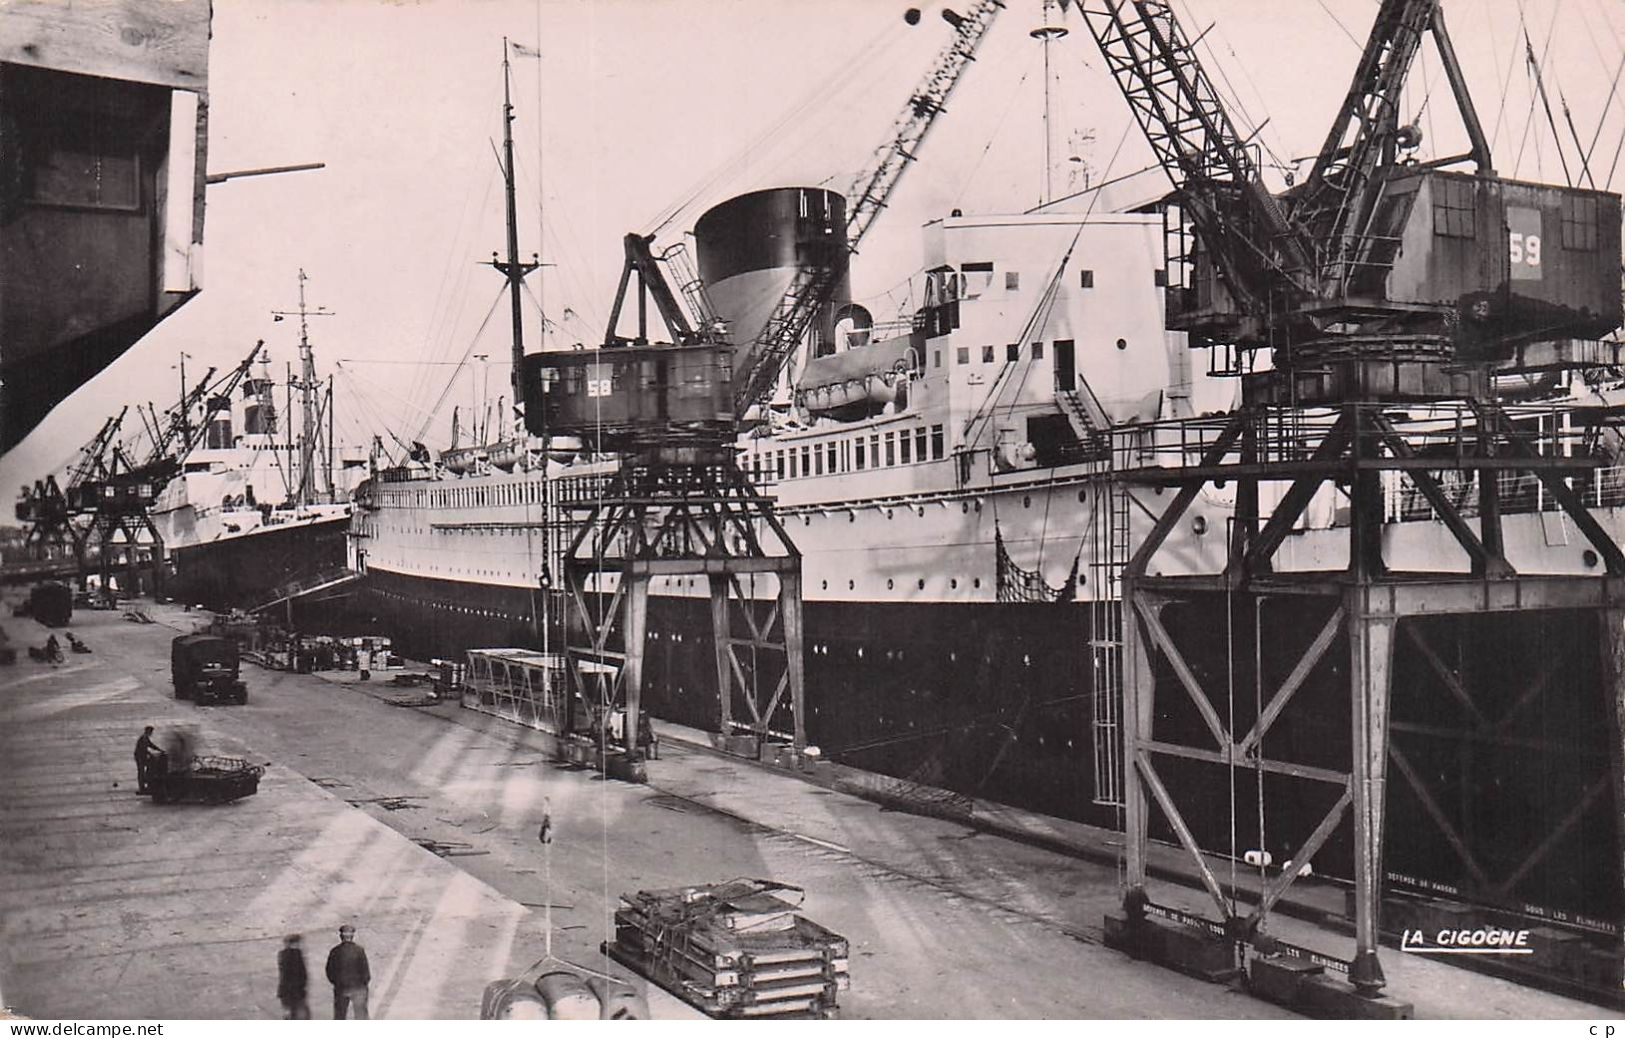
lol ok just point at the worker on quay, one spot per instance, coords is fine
(147, 758)
(292, 980)
(347, 971)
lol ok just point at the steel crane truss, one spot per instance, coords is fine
(1328, 689)
(689, 513)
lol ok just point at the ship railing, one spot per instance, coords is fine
(1283, 435)
(1518, 493)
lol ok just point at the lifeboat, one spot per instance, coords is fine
(864, 379)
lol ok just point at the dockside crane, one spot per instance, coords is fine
(679, 503)
(1389, 293)
(44, 509)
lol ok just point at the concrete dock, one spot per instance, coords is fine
(112, 906)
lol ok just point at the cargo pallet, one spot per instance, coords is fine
(732, 950)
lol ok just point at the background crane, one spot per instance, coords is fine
(113, 487)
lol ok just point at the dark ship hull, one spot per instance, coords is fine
(992, 701)
(244, 571)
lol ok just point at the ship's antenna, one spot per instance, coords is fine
(1046, 34)
(512, 269)
(308, 386)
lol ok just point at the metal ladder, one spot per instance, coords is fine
(682, 272)
(1086, 423)
(1109, 527)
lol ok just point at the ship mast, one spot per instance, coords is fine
(1045, 34)
(512, 268)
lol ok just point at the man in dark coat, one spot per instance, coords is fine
(147, 756)
(348, 973)
(291, 979)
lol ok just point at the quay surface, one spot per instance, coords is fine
(111, 906)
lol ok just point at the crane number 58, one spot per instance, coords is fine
(1524, 248)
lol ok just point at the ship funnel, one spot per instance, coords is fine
(749, 249)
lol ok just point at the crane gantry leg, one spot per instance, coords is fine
(663, 518)
(1338, 638)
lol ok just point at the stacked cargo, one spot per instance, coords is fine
(733, 949)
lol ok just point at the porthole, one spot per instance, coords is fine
(824, 584)
(922, 583)
(1026, 501)
(851, 585)
(1589, 557)
(1122, 344)
(976, 583)
(851, 517)
(953, 582)
(964, 507)
(890, 584)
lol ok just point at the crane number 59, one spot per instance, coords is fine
(1524, 248)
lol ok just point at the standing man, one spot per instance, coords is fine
(291, 979)
(348, 973)
(147, 755)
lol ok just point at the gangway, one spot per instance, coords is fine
(326, 580)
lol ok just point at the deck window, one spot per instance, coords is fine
(904, 448)
(891, 448)
(987, 354)
(1012, 281)
(1086, 279)
(857, 455)
(834, 457)
(962, 355)
(1012, 351)
(936, 443)
(818, 461)
(919, 443)
(1038, 351)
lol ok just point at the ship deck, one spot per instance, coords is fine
(112, 906)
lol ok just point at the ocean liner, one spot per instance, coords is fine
(947, 479)
(263, 503)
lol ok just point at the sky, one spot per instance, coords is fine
(638, 108)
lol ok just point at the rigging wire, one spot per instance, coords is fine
(467, 353)
(1233, 96)
(992, 136)
(1339, 22)
(450, 291)
(765, 141)
(1505, 83)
